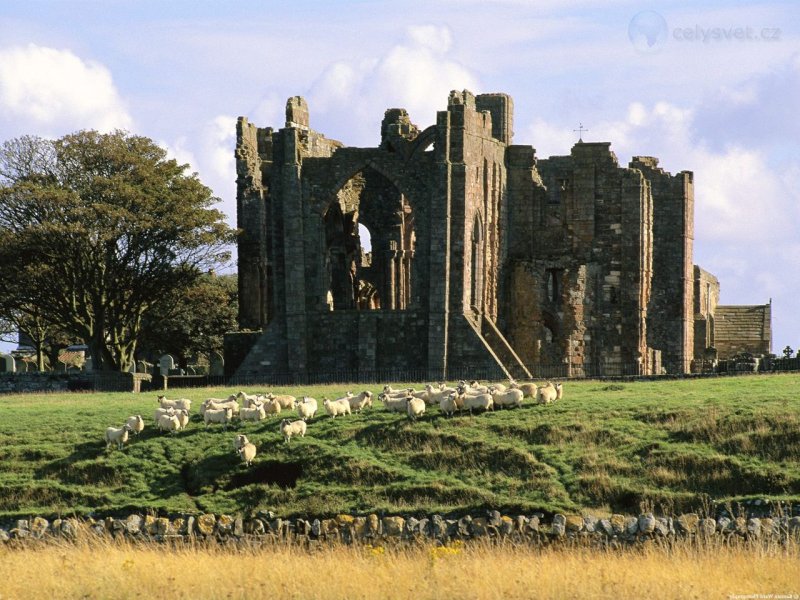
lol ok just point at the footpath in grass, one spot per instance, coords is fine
(668, 446)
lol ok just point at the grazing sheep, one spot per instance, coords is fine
(183, 418)
(136, 423)
(159, 412)
(307, 408)
(436, 396)
(272, 407)
(394, 404)
(360, 401)
(169, 423)
(255, 412)
(415, 408)
(448, 404)
(247, 400)
(222, 415)
(285, 401)
(216, 404)
(547, 394)
(247, 452)
(180, 403)
(507, 398)
(337, 407)
(292, 428)
(528, 389)
(117, 436)
(389, 392)
(239, 441)
(481, 401)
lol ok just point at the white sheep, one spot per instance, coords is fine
(247, 452)
(292, 428)
(136, 423)
(272, 407)
(389, 392)
(559, 391)
(222, 415)
(246, 399)
(255, 412)
(360, 401)
(473, 387)
(337, 407)
(180, 403)
(448, 404)
(285, 401)
(239, 441)
(183, 417)
(507, 398)
(159, 412)
(547, 394)
(394, 404)
(479, 401)
(307, 408)
(528, 389)
(215, 404)
(415, 408)
(436, 396)
(117, 436)
(169, 423)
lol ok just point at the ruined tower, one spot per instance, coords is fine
(481, 258)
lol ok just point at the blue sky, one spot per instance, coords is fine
(715, 93)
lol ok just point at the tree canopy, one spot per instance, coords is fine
(99, 230)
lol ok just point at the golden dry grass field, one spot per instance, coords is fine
(109, 570)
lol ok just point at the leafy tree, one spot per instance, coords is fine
(100, 230)
(195, 321)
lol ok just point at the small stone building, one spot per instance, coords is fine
(481, 257)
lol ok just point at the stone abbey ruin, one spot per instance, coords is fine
(481, 256)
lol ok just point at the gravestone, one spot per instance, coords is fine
(166, 364)
(217, 366)
(7, 364)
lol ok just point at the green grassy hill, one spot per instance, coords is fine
(622, 447)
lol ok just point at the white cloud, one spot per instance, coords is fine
(54, 91)
(416, 74)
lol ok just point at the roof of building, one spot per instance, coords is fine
(750, 322)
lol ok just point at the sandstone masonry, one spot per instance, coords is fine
(479, 256)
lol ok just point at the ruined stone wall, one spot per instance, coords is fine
(364, 340)
(670, 318)
(706, 298)
(576, 261)
(253, 148)
(579, 277)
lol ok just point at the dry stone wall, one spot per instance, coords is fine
(373, 529)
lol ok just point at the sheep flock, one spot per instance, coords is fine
(170, 417)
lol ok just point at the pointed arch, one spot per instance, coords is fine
(381, 276)
(477, 265)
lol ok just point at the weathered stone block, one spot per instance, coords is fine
(206, 523)
(393, 526)
(687, 523)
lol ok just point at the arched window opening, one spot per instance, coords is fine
(476, 279)
(370, 242)
(553, 285)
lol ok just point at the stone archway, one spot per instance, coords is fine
(381, 276)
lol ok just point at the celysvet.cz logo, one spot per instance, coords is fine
(649, 33)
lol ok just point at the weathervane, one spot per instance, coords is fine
(581, 129)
